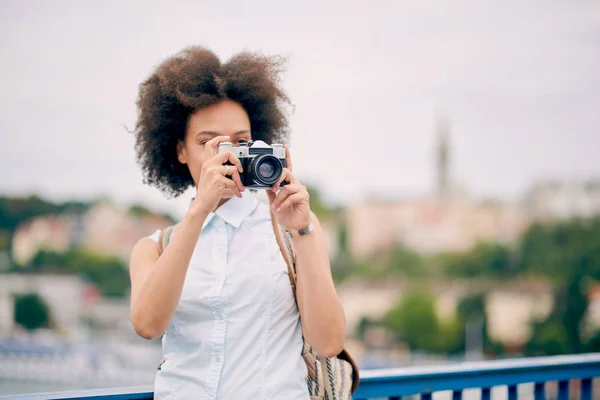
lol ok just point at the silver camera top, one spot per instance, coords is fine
(246, 150)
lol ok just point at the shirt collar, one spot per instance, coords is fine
(234, 210)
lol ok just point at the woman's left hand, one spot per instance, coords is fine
(291, 205)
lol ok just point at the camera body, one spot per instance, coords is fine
(262, 164)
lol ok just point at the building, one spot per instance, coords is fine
(104, 228)
(64, 295)
(49, 232)
(513, 307)
(510, 307)
(446, 221)
(556, 199)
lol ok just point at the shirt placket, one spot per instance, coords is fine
(219, 257)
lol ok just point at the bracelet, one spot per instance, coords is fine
(306, 230)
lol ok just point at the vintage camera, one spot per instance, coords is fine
(262, 164)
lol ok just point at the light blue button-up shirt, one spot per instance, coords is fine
(236, 333)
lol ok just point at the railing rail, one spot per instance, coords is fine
(395, 383)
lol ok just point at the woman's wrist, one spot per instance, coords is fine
(196, 215)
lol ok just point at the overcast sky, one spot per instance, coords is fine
(518, 81)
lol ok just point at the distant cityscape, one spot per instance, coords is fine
(449, 220)
(445, 221)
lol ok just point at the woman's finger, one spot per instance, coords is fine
(291, 200)
(288, 157)
(231, 172)
(229, 184)
(286, 176)
(211, 147)
(271, 196)
(228, 156)
(284, 193)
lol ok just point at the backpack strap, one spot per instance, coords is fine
(164, 238)
(287, 250)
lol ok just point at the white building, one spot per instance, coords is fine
(429, 225)
(104, 228)
(555, 199)
(48, 232)
(510, 308)
(64, 295)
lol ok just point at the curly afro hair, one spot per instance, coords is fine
(193, 79)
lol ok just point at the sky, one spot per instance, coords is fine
(517, 81)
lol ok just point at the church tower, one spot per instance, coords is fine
(443, 160)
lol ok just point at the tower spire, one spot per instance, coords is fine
(443, 158)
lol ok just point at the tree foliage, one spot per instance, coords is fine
(414, 320)
(31, 311)
(16, 210)
(109, 274)
(568, 253)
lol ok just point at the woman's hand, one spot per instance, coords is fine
(291, 206)
(217, 179)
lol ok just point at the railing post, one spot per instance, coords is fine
(563, 390)
(512, 392)
(540, 391)
(586, 389)
(486, 394)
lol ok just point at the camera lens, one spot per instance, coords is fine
(266, 169)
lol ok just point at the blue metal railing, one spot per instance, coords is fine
(395, 383)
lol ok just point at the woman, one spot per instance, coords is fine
(220, 292)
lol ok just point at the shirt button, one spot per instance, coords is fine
(217, 359)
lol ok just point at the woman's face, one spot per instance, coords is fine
(226, 118)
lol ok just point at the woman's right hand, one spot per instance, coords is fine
(217, 180)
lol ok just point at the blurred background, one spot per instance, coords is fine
(450, 147)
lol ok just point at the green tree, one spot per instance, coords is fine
(47, 260)
(593, 345)
(363, 326)
(140, 211)
(560, 333)
(17, 210)
(31, 311)
(485, 259)
(547, 338)
(555, 250)
(568, 253)
(317, 204)
(406, 262)
(413, 319)
(472, 308)
(109, 274)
